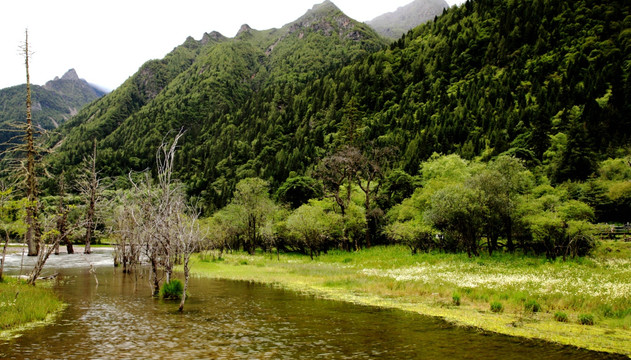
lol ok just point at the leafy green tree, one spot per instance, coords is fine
(413, 233)
(397, 186)
(255, 208)
(618, 169)
(299, 190)
(513, 180)
(314, 226)
(555, 224)
(548, 233)
(458, 210)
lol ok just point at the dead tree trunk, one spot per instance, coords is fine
(4, 253)
(186, 277)
(31, 236)
(41, 260)
(93, 185)
(62, 220)
(154, 275)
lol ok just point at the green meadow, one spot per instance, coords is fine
(516, 295)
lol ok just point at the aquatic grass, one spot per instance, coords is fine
(22, 304)
(172, 290)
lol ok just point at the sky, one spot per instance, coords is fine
(107, 41)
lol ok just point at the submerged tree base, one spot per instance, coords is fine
(392, 277)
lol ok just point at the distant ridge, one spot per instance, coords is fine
(394, 24)
(54, 103)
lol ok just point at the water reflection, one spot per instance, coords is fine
(239, 320)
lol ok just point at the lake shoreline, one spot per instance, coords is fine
(343, 277)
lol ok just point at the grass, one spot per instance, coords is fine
(560, 316)
(497, 307)
(532, 306)
(172, 290)
(586, 319)
(22, 305)
(426, 283)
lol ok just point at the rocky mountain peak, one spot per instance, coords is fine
(213, 36)
(70, 75)
(245, 28)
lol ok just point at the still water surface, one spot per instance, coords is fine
(240, 320)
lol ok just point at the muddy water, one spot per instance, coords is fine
(239, 320)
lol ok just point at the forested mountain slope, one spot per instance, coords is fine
(547, 81)
(205, 87)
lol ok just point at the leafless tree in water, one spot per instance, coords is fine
(188, 239)
(154, 213)
(48, 242)
(91, 188)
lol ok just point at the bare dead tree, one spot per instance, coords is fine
(47, 244)
(128, 236)
(168, 203)
(32, 231)
(62, 218)
(90, 186)
(43, 255)
(156, 213)
(188, 239)
(21, 160)
(142, 214)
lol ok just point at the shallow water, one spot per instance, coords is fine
(118, 319)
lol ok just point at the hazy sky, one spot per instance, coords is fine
(107, 41)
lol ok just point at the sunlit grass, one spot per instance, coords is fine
(22, 304)
(393, 277)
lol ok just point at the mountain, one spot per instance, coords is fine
(54, 103)
(205, 86)
(73, 90)
(394, 24)
(548, 82)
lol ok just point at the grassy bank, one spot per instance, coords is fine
(22, 306)
(533, 293)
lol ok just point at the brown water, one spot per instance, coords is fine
(239, 320)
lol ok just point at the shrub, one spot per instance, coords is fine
(497, 306)
(172, 290)
(532, 306)
(560, 316)
(586, 319)
(456, 299)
